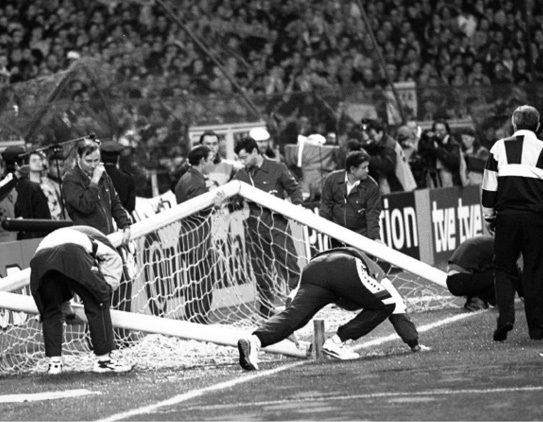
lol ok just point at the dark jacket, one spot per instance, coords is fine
(125, 186)
(274, 178)
(359, 211)
(191, 185)
(31, 203)
(93, 205)
(76, 257)
(383, 162)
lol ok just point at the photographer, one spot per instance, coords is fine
(441, 156)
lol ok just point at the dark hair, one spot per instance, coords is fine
(526, 117)
(355, 158)
(368, 124)
(86, 147)
(197, 153)
(444, 123)
(248, 144)
(207, 133)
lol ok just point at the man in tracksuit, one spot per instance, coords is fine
(79, 260)
(351, 280)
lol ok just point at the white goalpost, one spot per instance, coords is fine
(196, 275)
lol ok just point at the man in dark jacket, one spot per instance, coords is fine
(123, 181)
(91, 198)
(83, 261)
(269, 238)
(351, 198)
(195, 237)
(381, 148)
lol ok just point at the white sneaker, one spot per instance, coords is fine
(105, 366)
(55, 368)
(420, 348)
(248, 353)
(339, 350)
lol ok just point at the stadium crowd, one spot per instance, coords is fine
(281, 54)
(276, 46)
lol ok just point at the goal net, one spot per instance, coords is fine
(197, 278)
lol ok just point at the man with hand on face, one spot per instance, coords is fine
(89, 193)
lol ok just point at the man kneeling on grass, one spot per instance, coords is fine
(351, 280)
(83, 261)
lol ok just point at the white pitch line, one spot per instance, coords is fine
(389, 395)
(49, 395)
(421, 329)
(195, 393)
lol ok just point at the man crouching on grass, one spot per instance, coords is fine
(79, 260)
(351, 280)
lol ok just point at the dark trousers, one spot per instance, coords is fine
(518, 233)
(326, 280)
(54, 289)
(270, 246)
(197, 255)
(479, 285)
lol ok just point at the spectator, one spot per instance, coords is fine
(51, 185)
(351, 198)
(30, 202)
(36, 166)
(263, 140)
(123, 181)
(475, 156)
(91, 198)
(388, 165)
(269, 238)
(195, 237)
(222, 170)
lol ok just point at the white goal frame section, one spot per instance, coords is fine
(215, 333)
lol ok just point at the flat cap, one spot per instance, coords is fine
(12, 153)
(111, 147)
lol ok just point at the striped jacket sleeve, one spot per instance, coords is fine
(490, 183)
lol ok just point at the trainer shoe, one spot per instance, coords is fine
(420, 348)
(248, 353)
(501, 332)
(338, 350)
(55, 368)
(111, 366)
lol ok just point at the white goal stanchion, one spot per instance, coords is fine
(208, 275)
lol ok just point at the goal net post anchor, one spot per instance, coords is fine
(318, 338)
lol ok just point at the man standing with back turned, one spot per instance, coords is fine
(512, 202)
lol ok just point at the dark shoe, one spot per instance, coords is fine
(474, 304)
(248, 353)
(501, 332)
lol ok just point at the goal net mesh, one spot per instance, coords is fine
(212, 267)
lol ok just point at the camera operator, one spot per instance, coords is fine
(441, 156)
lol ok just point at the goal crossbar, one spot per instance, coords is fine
(294, 212)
